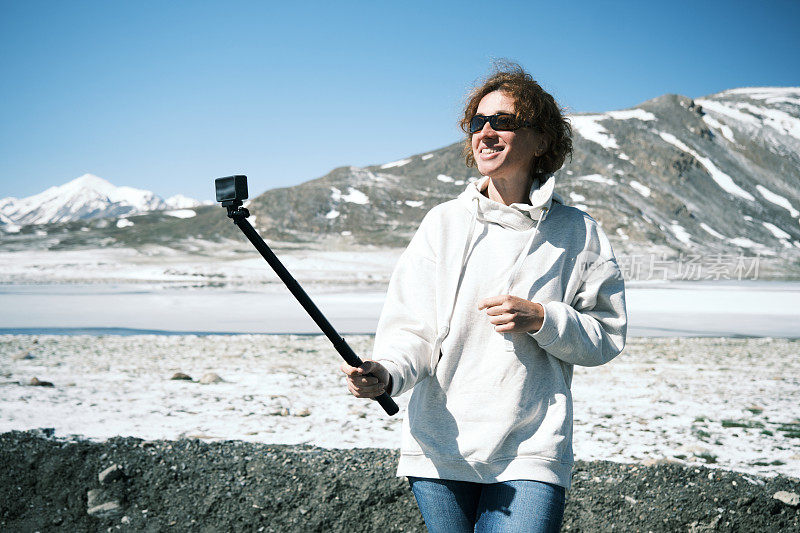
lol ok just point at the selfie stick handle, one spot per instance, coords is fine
(239, 216)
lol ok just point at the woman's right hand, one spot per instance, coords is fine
(363, 386)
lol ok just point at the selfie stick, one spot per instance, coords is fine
(231, 191)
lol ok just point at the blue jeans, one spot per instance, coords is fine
(449, 506)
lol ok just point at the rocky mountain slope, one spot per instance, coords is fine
(719, 175)
(692, 181)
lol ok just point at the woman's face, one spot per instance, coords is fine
(504, 154)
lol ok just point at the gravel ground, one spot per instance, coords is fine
(128, 484)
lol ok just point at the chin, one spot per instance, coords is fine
(486, 168)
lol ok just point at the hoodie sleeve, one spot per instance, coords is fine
(407, 327)
(592, 329)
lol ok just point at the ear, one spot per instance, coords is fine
(541, 145)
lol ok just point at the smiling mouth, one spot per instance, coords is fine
(491, 150)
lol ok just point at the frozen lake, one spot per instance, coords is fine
(722, 308)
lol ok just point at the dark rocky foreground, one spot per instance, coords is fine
(55, 485)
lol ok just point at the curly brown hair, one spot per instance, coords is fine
(531, 103)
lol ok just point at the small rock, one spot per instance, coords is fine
(96, 497)
(211, 377)
(698, 527)
(110, 474)
(110, 509)
(283, 412)
(22, 356)
(35, 382)
(181, 375)
(789, 498)
(303, 412)
(125, 520)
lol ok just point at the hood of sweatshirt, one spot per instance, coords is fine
(517, 216)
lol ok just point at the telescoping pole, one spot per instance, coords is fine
(239, 216)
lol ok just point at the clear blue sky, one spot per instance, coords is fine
(167, 96)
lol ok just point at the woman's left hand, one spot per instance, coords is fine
(511, 314)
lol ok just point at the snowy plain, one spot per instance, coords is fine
(728, 403)
(712, 398)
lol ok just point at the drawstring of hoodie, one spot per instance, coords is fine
(478, 217)
(445, 330)
(525, 251)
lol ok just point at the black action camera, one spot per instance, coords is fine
(231, 190)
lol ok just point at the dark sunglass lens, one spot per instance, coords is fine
(476, 124)
(504, 122)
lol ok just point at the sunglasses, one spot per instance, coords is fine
(498, 122)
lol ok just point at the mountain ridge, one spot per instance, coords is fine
(671, 177)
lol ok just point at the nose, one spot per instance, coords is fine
(486, 130)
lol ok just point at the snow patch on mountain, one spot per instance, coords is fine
(771, 95)
(353, 196)
(680, 232)
(726, 131)
(777, 199)
(589, 128)
(644, 190)
(628, 114)
(729, 112)
(597, 178)
(776, 231)
(575, 197)
(395, 164)
(722, 179)
(712, 231)
(744, 242)
(774, 118)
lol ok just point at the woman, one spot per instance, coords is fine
(500, 292)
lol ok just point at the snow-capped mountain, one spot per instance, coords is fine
(86, 197)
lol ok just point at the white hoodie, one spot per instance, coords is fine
(488, 406)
